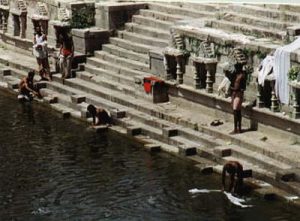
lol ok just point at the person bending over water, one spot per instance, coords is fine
(235, 171)
(100, 116)
(26, 88)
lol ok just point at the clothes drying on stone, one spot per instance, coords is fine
(282, 65)
(266, 68)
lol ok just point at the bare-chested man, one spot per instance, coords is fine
(235, 171)
(238, 87)
(26, 88)
(66, 54)
(100, 115)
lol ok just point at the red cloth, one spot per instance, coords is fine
(148, 82)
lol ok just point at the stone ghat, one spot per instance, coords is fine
(165, 125)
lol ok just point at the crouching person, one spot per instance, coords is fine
(100, 115)
(26, 88)
(235, 171)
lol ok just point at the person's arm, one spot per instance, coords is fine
(29, 89)
(231, 182)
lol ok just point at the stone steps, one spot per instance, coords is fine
(136, 47)
(114, 67)
(118, 51)
(256, 21)
(247, 29)
(92, 71)
(130, 64)
(151, 22)
(198, 6)
(171, 9)
(142, 39)
(148, 31)
(161, 16)
(265, 12)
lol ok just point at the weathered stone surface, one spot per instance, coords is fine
(5, 72)
(285, 175)
(133, 130)
(187, 150)
(222, 151)
(118, 113)
(205, 169)
(76, 98)
(169, 132)
(153, 147)
(13, 84)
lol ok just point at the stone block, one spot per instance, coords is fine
(13, 84)
(247, 173)
(66, 114)
(285, 175)
(50, 99)
(133, 131)
(169, 132)
(153, 147)
(118, 113)
(266, 193)
(187, 150)
(293, 30)
(205, 169)
(90, 39)
(5, 72)
(222, 151)
(76, 98)
(160, 92)
(85, 114)
(100, 128)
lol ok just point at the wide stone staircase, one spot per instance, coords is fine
(109, 79)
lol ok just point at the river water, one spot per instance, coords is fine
(56, 169)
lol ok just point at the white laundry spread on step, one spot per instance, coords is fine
(282, 65)
(234, 200)
(266, 68)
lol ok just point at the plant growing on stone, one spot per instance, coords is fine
(82, 18)
(293, 73)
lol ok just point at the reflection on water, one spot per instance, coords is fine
(55, 169)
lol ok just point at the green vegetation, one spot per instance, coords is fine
(293, 73)
(82, 18)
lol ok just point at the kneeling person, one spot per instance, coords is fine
(26, 88)
(100, 116)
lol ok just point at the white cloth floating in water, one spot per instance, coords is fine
(234, 200)
(194, 191)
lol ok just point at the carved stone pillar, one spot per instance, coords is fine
(211, 67)
(296, 107)
(274, 100)
(5, 21)
(259, 101)
(1, 20)
(168, 74)
(179, 68)
(205, 70)
(23, 25)
(179, 57)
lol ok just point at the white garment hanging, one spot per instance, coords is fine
(266, 67)
(282, 65)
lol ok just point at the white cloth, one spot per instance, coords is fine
(40, 48)
(266, 68)
(224, 86)
(282, 65)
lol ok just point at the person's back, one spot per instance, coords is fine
(234, 169)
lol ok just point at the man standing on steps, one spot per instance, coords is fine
(235, 171)
(66, 54)
(238, 87)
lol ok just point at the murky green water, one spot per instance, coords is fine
(55, 169)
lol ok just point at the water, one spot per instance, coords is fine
(55, 169)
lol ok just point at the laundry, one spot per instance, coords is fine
(266, 68)
(282, 65)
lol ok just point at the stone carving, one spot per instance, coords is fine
(4, 2)
(21, 6)
(42, 9)
(177, 40)
(63, 15)
(206, 50)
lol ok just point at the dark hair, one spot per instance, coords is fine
(92, 109)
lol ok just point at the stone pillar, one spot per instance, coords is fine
(211, 67)
(1, 20)
(196, 76)
(168, 74)
(259, 102)
(5, 21)
(296, 107)
(23, 25)
(274, 100)
(179, 68)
